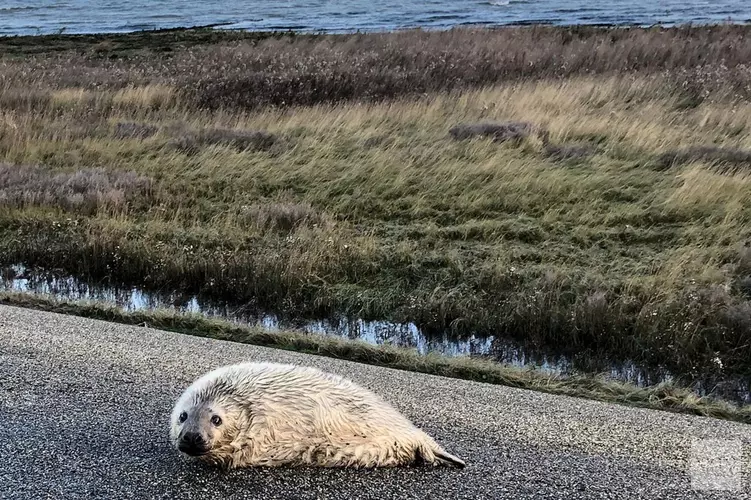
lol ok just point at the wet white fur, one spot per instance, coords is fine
(275, 414)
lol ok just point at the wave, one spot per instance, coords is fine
(505, 3)
(19, 9)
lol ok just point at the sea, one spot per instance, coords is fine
(29, 17)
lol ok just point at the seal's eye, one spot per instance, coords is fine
(216, 420)
(183, 417)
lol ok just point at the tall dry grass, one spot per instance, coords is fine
(306, 70)
(86, 191)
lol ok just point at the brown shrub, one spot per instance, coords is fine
(383, 66)
(305, 70)
(568, 151)
(283, 217)
(743, 284)
(131, 130)
(376, 141)
(241, 140)
(716, 154)
(499, 132)
(743, 265)
(24, 100)
(81, 191)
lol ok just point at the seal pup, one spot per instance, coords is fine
(268, 414)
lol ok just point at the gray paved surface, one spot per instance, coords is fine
(84, 408)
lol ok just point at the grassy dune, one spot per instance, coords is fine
(312, 175)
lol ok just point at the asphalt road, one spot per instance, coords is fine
(84, 408)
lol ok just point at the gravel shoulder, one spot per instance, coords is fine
(84, 406)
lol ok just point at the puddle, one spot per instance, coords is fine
(21, 279)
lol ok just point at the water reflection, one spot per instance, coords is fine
(21, 279)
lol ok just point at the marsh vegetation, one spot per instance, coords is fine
(317, 175)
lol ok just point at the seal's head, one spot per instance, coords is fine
(204, 422)
(196, 430)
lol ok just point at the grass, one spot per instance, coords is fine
(192, 142)
(217, 69)
(86, 191)
(727, 158)
(322, 178)
(665, 396)
(109, 45)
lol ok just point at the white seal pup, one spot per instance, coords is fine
(267, 414)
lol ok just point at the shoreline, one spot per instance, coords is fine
(665, 396)
(296, 31)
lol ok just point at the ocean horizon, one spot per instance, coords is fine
(25, 17)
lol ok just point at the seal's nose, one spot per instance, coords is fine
(193, 444)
